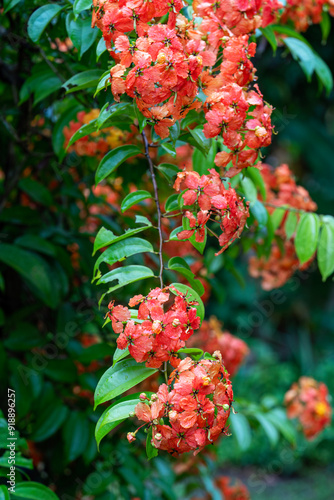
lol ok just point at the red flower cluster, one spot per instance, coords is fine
(303, 14)
(236, 492)
(191, 411)
(281, 189)
(211, 201)
(164, 66)
(96, 144)
(160, 333)
(307, 400)
(210, 338)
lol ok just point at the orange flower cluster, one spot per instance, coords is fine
(236, 492)
(96, 144)
(210, 338)
(281, 189)
(303, 14)
(191, 411)
(159, 334)
(307, 400)
(211, 200)
(164, 66)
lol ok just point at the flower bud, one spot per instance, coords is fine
(176, 322)
(161, 59)
(161, 421)
(156, 421)
(132, 414)
(131, 436)
(206, 381)
(154, 397)
(142, 396)
(226, 407)
(158, 436)
(156, 327)
(172, 415)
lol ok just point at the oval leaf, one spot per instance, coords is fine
(39, 20)
(326, 248)
(306, 240)
(134, 198)
(120, 378)
(191, 295)
(32, 491)
(113, 416)
(114, 159)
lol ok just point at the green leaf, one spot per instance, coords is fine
(200, 246)
(278, 418)
(41, 83)
(4, 495)
(105, 237)
(109, 111)
(95, 352)
(100, 49)
(103, 83)
(142, 120)
(307, 234)
(36, 191)
(197, 139)
(190, 296)
(286, 30)
(259, 212)
(303, 53)
(86, 129)
(277, 217)
(114, 159)
(32, 268)
(23, 337)
(134, 198)
(120, 354)
(269, 34)
(120, 378)
(49, 421)
(326, 248)
(255, 175)
(268, 427)
(325, 26)
(113, 416)
(151, 451)
(80, 5)
(202, 163)
(168, 170)
(39, 20)
(82, 34)
(324, 73)
(8, 5)
(169, 148)
(290, 224)
(172, 203)
(249, 189)
(179, 265)
(76, 433)
(192, 351)
(241, 430)
(63, 120)
(121, 250)
(33, 491)
(83, 80)
(125, 276)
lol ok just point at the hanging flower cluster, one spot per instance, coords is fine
(96, 144)
(281, 190)
(307, 400)
(303, 14)
(211, 200)
(210, 337)
(191, 411)
(237, 491)
(166, 322)
(164, 59)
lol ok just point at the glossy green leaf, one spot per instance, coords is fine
(290, 224)
(255, 175)
(49, 421)
(34, 491)
(101, 48)
(114, 159)
(326, 248)
(105, 237)
(259, 212)
(179, 265)
(121, 250)
(268, 427)
(269, 34)
(278, 418)
(8, 5)
(169, 170)
(82, 34)
(134, 198)
(277, 217)
(172, 203)
(75, 433)
(120, 378)
(307, 234)
(39, 19)
(191, 295)
(80, 5)
(126, 275)
(249, 189)
(86, 129)
(194, 352)
(120, 354)
(83, 80)
(151, 451)
(103, 83)
(169, 148)
(113, 416)
(197, 139)
(109, 111)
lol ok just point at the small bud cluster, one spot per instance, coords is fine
(191, 411)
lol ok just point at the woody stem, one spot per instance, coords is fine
(156, 197)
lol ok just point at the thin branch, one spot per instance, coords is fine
(156, 197)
